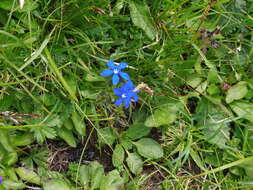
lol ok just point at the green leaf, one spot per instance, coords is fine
(78, 123)
(237, 92)
(11, 158)
(243, 109)
(134, 163)
(106, 136)
(214, 123)
(67, 135)
(56, 184)
(23, 140)
(137, 131)
(149, 148)
(141, 17)
(96, 172)
(13, 185)
(28, 175)
(6, 4)
(112, 181)
(118, 156)
(84, 175)
(163, 116)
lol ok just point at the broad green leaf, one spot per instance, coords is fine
(48, 99)
(126, 142)
(134, 163)
(23, 140)
(112, 181)
(118, 156)
(28, 175)
(237, 92)
(5, 140)
(67, 135)
(106, 136)
(163, 116)
(13, 185)
(7, 4)
(78, 123)
(96, 172)
(149, 148)
(243, 109)
(141, 17)
(137, 131)
(214, 123)
(11, 158)
(54, 184)
(84, 175)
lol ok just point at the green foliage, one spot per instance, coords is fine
(198, 123)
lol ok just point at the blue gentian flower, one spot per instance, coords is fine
(1, 179)
(115, 70)
(126, 94)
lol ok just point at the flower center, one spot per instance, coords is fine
(116, 71)
(123, 96)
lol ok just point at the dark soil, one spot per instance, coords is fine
(62, 155)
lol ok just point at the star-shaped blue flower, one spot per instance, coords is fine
(126, 93)
(115, 70)
(1, 179)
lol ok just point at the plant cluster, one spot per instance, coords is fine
(59, 128)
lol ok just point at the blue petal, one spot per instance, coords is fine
(106, 73)
(122, 65)
(128, 86)
(118, 101)
(115, 79)
(118, 91)
(124, 75)
(127, 102)
(135, 97)
(111, 64)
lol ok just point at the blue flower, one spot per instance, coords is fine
(126, 93)
(1, 179)
(115, 70)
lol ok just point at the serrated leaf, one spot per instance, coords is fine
(134, 163)
(118, 156)
(141, 17)
(149, 148)
(237, 92)
(137, 131)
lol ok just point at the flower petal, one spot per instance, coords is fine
(106, 73)
(135, 97)
(118, 101)
(111, 64)
(127, 102)
(124, 75)
(128, 86)
(115, 79)
(118, 91)
(122, 65)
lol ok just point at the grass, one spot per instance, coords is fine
(193, 132)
